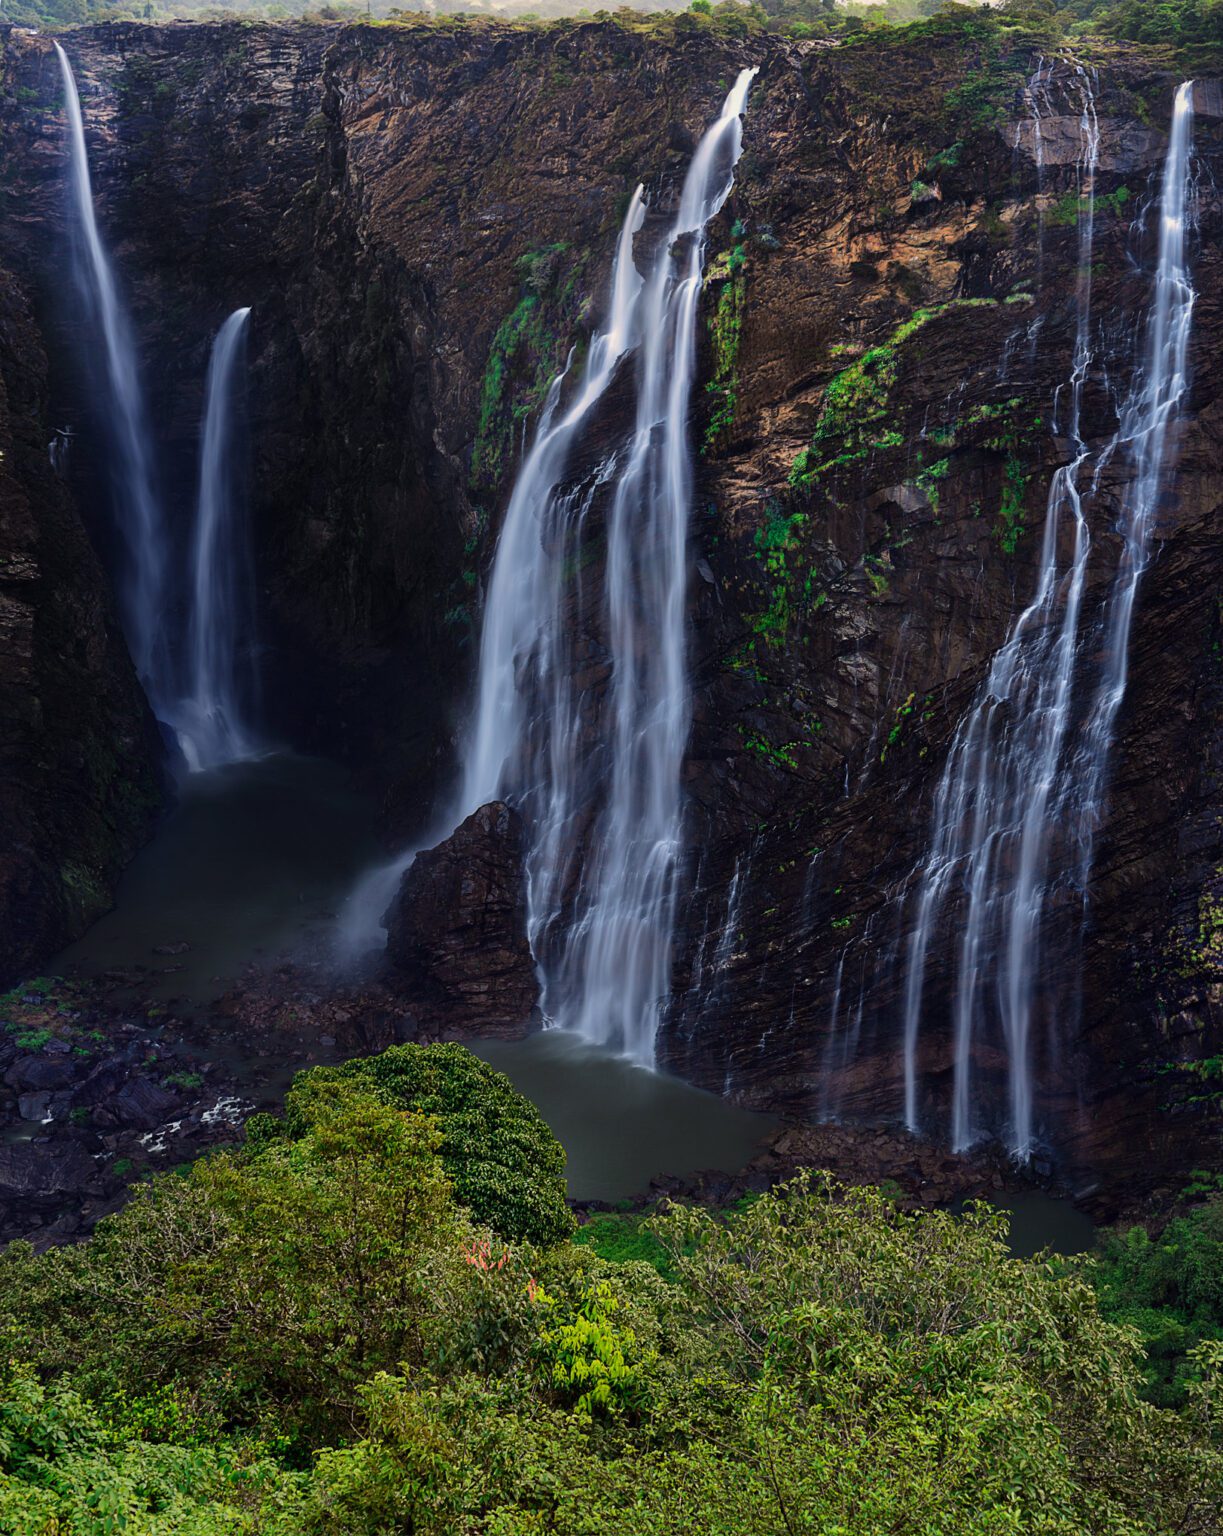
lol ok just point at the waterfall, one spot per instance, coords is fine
(209, 718)
(1017, 767)
(525, 636)
(1147, 418)
(142, 584)
(617, 969)
(522, 617)
(602, 805)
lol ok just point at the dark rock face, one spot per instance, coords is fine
(79, 752)
(456, 931)
(99, 1089)
(416, 217)
(31, 1172)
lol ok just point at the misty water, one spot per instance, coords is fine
(249, 864)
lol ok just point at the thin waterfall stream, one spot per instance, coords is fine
(142, 582)
(1148, 421)
(210, 719)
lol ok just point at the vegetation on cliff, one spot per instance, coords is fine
(315, 1334)
(1187, 24)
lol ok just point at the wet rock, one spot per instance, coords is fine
(33, 1170)
(34, 1106)
(32, 1074)
(1125, 146)
(139, 1104)
(456, 931)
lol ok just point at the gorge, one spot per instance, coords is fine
(806, 459)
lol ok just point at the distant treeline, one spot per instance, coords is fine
(1176, 22)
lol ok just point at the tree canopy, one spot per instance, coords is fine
(312, 1334)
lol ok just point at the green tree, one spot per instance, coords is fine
(506, 1165)
(1170, 1289)
(268, 1285)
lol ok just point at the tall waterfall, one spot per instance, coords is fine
(522, 614)
(1018, 765)
(601, 932)
(1147, 419)
(142, 582)
(209, 719)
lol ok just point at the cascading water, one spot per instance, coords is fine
(1147, 418)
(1013, 770)
(523, 621)
(142, 584)
(525, 635)
(990, 834)
(210, 720)
(601, 934)
(616, 970)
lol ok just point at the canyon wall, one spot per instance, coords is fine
(79, 753)
(422, 220)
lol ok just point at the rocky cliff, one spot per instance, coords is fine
(422, 220)
(79, 754)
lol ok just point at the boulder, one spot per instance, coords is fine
(456, 931)
(34, 1171)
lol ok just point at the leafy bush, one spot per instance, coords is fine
(63, 1469)
(505, 1163)
(623, 1239)
(268, 1286)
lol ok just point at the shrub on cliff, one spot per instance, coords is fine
(506, 1165)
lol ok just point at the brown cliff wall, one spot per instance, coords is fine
(422, 220)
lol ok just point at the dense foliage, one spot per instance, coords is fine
(1170, 1289)
(311, 1335)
